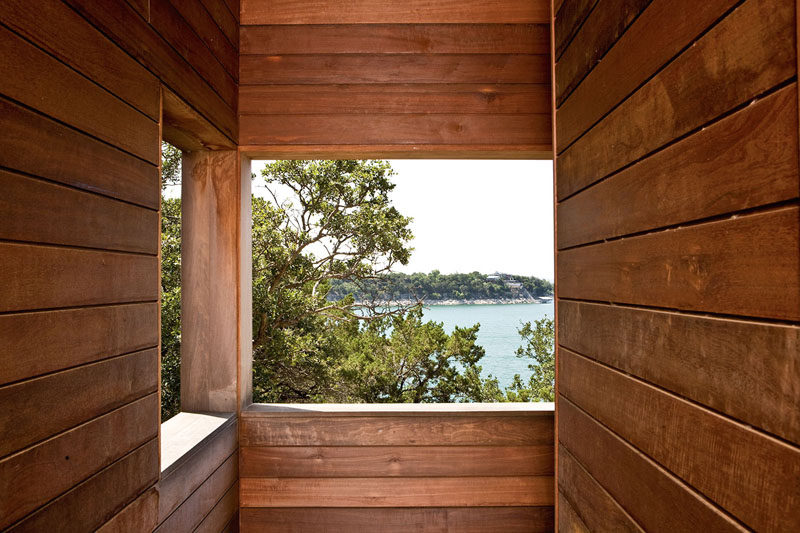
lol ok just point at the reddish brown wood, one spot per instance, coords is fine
(203, 24)
(396, 461)
(629, 63)
(740, 162)
(396, 129)
(568, 20)
(32, 344)
(99, 498)
(396, 39)
(744, 266)
(398, 430)
(226, 20)
(185, 128)
(37, 80)
(36, 145)
(394, 520)
(599, 32)
(63, 33)
(692, 442)
(40, 211)
(39, 474)
(43, 277)
(42, 407)
(748, 53)
(139, 515)
(399, 151)
(598, 510)
(652, 496)
(222, 513)
(388, 11)
(568, 519)
(398, 492)
(410, 98)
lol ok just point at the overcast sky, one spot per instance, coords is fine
(474, 215)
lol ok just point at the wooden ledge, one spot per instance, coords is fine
(185, 433)
(399, 409)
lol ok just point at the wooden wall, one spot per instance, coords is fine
(378, 78)
(80, 108)
(348, 468)
(678, 267)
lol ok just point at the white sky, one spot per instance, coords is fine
(474, 215)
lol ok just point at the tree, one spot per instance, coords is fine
(539, 346)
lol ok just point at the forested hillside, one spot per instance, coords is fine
(437, 286)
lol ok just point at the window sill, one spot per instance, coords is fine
(389, 409)
(185, 433)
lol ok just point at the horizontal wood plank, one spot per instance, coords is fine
(601, 29)
(568, 519)
(396, 39)
(65, 34)
(656, 499)
(42, 277)
(744, 369)
(40, 81)
(42, 407)
(34, 477)
(99, 498)
(628, 63)
(210, 34)
(466, 430)
(222, 513)
(743, 161)
(37, 145)
(199, 503)
(396, 129)
(396, 461)
(394, 520)
(745, 266)
(568, 20)
(399, 151)
(38, 211)
(185, 128)
(748, 53)
(598, 510)
(36, 343)
(393, 68)
(394, 99)
(388, 11)
(398, 492)
(228, 22)
(692, 442)
(139, 515)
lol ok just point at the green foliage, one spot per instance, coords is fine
(539, 346)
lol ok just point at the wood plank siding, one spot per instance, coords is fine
(352, 470)
(678, 274)
(373, 78)
(81, 108)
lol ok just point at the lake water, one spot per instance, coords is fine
(498, 333)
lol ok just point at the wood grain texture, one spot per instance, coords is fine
(398, 492)
(411, 98)
(628, 63)
(399, 151)
(41, 277)
(749, 52)
(222, 513)
(598, 510)
(210, 34)
(395, 461)
(394, 520)
(32, 478)
(99, 498)
(32, 344)
(488, 430)
(424, 129)
(185, 128)
(700, 176)
(191, 512)
(568, 519)
(396, 39)
(747, 370)
(139, 515)
(40, 81)
(227, 21)
(393, 68)
(64, 34)
(601, 29)
(180, 482)
(36, 145)
(45, 406)
(134, 35)
(387, 11)
(745, 266)
(568, 20)
(692, 442)
(38, 211)
(656, 499)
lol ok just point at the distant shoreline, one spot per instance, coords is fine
(479, 301)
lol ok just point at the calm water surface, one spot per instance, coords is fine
(498, 333)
